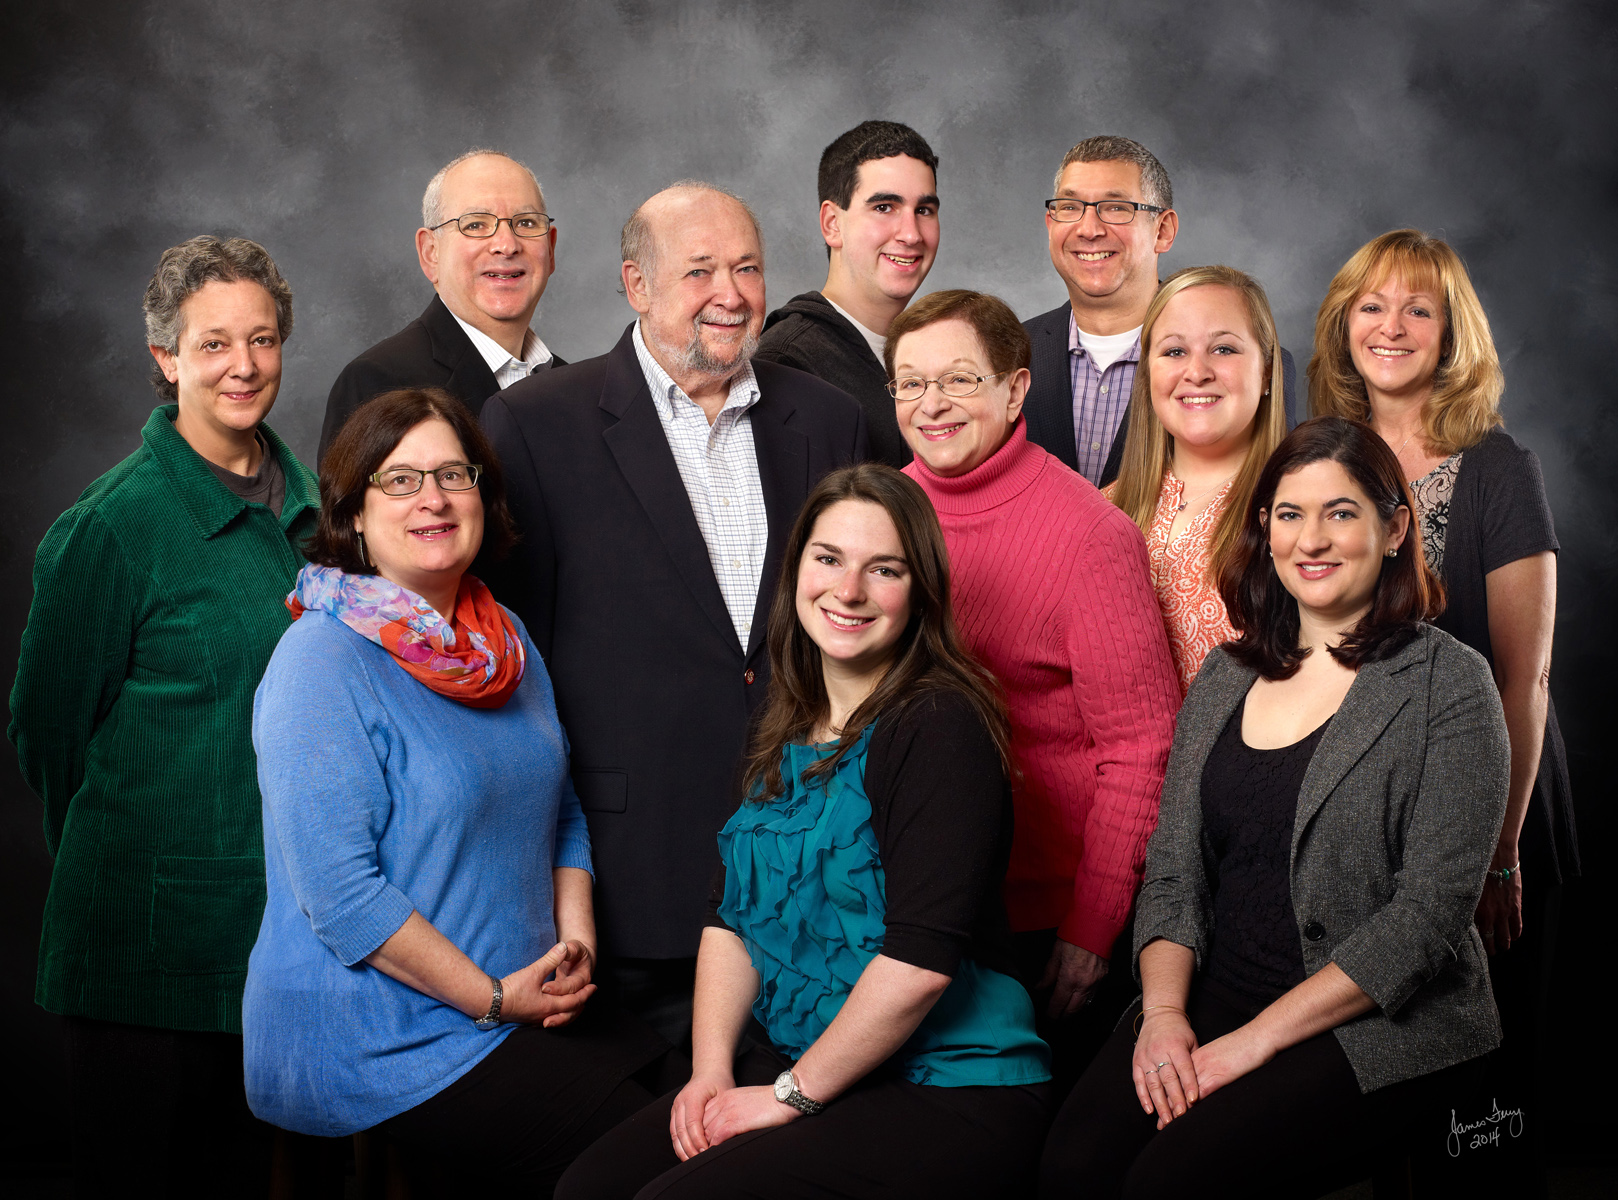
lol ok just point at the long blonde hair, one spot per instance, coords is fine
(1148, 447)
(1468, 383)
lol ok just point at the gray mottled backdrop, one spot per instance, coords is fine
(1293, 133)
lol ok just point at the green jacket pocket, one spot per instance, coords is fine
(206, 913)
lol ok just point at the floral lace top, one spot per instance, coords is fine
(1193, 613)
(1432, 494)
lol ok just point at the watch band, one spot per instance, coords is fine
(491, 1019)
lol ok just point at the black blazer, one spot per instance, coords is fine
(431, 351)
(1049, 406)
(613, 580)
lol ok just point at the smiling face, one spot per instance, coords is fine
(853, 594)
(884, 243)
(1111, 268)
(1395, 339)
(227, 365)
(702, 308)
(1328, 542)
(950, 434)
(493, 284)
(426, 541)
(1207, 370)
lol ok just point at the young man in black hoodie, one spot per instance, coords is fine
(879, 216)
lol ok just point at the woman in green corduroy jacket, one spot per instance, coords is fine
(158, 598)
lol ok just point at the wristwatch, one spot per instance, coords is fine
(786, 1091)
(491, 1019)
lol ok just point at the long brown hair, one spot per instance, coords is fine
(1265, 614)
(1148, 447)
(1465, 404)
(930, 653)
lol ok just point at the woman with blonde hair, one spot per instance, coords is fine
(1402, 343)
(1204, 417)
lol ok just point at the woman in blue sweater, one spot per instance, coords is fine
(426, 952)
(856, 1029)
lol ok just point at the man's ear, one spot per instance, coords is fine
(637, 287)
(427, 254)
(831, 224)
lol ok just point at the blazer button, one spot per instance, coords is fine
(1314, 931)
(747, 675)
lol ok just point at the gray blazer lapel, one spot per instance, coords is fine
(1379, 691)
(1218, 693)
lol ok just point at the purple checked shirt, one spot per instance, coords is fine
(1100, 400)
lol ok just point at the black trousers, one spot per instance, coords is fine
(162, 1112)
(885, 1137)
(1297, 1126)
(1076, 1040)
(520, 1116)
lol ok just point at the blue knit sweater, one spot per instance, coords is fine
(382, 797)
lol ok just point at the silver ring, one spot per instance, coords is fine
(1153, 1071)
(1161, 1065)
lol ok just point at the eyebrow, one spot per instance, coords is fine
(1327, 504)
(1109, 194)
(257, 329)
(882, 558)
(701, 258)
(895, 198)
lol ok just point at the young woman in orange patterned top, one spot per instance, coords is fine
(1203, 418)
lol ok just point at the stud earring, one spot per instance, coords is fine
(1392, 552)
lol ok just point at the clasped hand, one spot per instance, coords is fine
(709, 1111)
(1172, 1072)
(533, 997)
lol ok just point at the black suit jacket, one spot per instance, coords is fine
(613, 580)
(1049, 406)
(431, 351)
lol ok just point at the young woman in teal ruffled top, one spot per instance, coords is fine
(857, 1030)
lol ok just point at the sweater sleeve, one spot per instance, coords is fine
(75, 656)
(323, 744)
(941, 811)
(1127, 693)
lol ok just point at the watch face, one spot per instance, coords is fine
(783, 1086)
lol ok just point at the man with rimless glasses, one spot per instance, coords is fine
(1110, 217)
(488, 247)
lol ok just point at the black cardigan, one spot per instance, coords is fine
(1498, 515)
(941, 812)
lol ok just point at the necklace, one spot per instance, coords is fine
(1186, 503)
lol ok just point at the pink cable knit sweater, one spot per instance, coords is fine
(1053, 592)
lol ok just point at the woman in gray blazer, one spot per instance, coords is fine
(1313, 984)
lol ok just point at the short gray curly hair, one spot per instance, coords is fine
(1154, 180)
(183, 270)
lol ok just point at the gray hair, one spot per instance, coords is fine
(1155, 187)
(432, 200)
(638, 245)
(181, 273)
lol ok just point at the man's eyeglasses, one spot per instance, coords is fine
(955, 384)
(1111, 212)
(407, 481)
(486, 225)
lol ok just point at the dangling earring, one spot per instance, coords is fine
(365, 555)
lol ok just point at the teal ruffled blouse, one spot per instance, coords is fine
(804, 891)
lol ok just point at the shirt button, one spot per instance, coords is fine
(1314, 931)
(1103, 387)
(725, 502)
(1095, 445)
(736, 563)
(747, 675)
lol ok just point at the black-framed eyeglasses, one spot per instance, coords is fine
(486, 225)
(407, 481)
(953, 383)
(1111, 212)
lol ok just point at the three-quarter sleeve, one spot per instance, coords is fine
(1449, 840)
(941, 813)
(75, 655)
(323, 745)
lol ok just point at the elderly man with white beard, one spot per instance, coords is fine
(654, 488)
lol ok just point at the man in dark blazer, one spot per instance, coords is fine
(488, 247)
(654, 488)
(1085, 353)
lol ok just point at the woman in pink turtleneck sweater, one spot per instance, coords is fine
(1053, 592)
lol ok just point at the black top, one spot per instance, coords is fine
(808, 333)
(268, 487)
(1497, 516)
(941, 812)
(1249, 801)
(1049, 405)
(614, 581)
(431, 351)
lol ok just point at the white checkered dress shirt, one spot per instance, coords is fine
(720, 471)
(508, 370)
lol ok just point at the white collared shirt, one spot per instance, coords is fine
(508, 370)
(720, 470)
